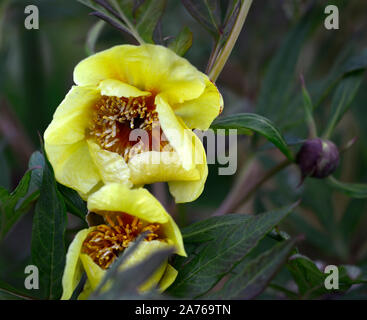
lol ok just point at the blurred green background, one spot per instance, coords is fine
(36, 68)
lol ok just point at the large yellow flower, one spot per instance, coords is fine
(91, 141)
(127, 213)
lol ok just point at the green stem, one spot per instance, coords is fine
(134, 32)
(311, 124)
(228, 47)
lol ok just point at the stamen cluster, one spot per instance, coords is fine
(107, 241)
(115, 117)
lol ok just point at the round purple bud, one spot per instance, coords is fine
(318, 158)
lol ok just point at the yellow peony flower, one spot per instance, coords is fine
(127, 213)
(128, 87)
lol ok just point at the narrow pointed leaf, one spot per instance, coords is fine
(250, 278)
(215, 245)
(151, 14)
(200, 12)
(311, 280)
(280, 76)
(74, 203)
(353, 190)
(93, 36)
(247, 122)
(182, 42)
(48, 243)
(109, 16)
(342, 99)
(14, 205)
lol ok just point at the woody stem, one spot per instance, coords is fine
(228, 47)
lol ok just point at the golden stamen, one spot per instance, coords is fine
(115, 117)
(107, 241)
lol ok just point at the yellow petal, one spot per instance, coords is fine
(147, 67)
(174, 236)
(111, 166)
(139, 203)
(154, 166)
(94, 272)
(73, 268)
(178, 136)
(73, 165)
(116, 88)
(168, 278)
(136, 202)
(72, 116)
(187, 191)
(200, 113)
(87, 291)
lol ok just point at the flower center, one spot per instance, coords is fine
(107, 241)
(114, 118)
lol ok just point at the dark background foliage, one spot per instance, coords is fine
(36, 69)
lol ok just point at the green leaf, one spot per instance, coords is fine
(247, 122)
(233, 9)
(182, 42)
(353, 190)
(216, 16)
(48, 243)
(355, 63)
(320, 90)
(308, 107)
(250, 278)
(36, 164)
(342, 68)
(74, 203)
(205, 13)
(280, 77)
(311, 281)
(342, 99)
(215, 245)
(139, 19)
(14, 205)
(93, 36)
(110, 16)
(148, 16)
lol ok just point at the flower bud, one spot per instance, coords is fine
(318, 158)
